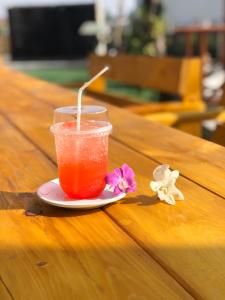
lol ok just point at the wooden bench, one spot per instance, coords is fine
(176, 76)
(181, 77)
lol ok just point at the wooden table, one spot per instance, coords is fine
(139, 248)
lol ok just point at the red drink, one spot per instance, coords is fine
(82, 157)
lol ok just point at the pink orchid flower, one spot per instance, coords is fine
(121, 180)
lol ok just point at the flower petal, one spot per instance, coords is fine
(112, 179)
(131, 183)
(155, 185)
(176, 192)
(170, 199)
(171, 180)
(121, 180)
(161, 173)
(117, 191)
(127, 172)
(118, 172)
(161, 195)
(131, 188)
(175, 174)
(164, 184)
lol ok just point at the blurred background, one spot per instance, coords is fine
(52, 40)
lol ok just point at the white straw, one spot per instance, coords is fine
(82, 88)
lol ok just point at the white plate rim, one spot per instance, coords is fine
(78, 204)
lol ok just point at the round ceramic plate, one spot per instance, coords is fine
(51, 193)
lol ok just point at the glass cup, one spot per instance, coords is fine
(82, 155)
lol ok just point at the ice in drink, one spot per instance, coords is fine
(82, 157)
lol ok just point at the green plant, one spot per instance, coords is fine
(145, 28)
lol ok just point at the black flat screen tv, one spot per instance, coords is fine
(39, 33)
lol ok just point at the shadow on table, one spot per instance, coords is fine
(32, 206)
(141, 200)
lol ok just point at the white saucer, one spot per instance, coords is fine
(51, 193)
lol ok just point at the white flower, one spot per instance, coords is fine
(164, 184)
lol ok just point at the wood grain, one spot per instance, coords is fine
(184, 232)
(67, 254)
(194, 157)
(186, 240)
(168, 106)
(148, 109)
(73, 255)
(154, 219)
(180, 76)
(22, 167)
(4, 293)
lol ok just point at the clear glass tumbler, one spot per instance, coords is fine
(82, 155)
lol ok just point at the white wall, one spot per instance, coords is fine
(111, 5)
(186, 12)
(177, 12)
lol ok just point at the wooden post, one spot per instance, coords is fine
(188, 44)
(203, 44)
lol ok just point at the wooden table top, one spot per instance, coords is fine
(139, 248)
